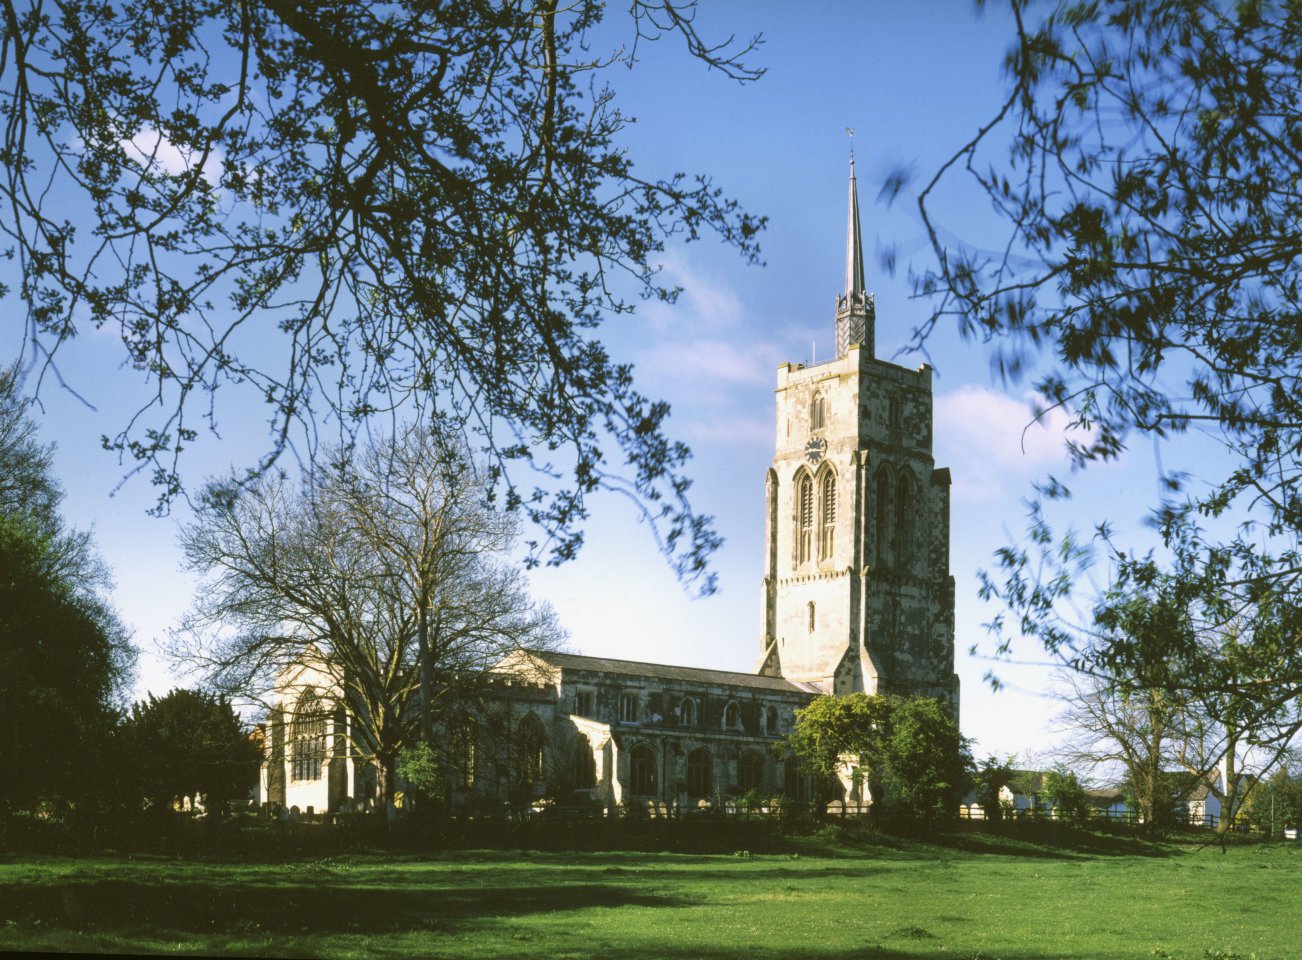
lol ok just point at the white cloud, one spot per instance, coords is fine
(730, 430)
(704, 305)
(988, 439)
(150, 148)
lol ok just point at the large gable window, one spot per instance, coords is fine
(309, 737)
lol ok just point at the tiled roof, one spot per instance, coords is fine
(661, 671)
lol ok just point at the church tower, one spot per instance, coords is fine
(858, 596)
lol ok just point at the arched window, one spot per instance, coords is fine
(732, 716)
(585, 764)
(687, 712)
(628, 707)
(827, 508)
(531, 740)
(700, 773)
(795, 782)
(894, 413)
(885, 490)
(463, 753)
(642, 771)
(309, 737)
(771, 721)
(812, 618)
(750, 771)
(817, 412)
(904, 515)
(804, 517)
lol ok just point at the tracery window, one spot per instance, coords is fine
(750, 771)
(827, 507)
(585, 764)
(463, 753)
(731, 716)
(309, 737)
(687, 712)
(531, 741)
(700, 773)
(628, 707)
(642, 771)
(804, 517)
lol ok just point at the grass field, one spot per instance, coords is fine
(880, 900)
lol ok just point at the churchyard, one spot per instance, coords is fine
(976, 897)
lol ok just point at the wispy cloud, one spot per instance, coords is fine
(993, 442)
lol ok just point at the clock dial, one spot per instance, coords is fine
(815, 449)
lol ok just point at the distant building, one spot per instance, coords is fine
(857, 597)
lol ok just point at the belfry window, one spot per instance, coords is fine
(309, 738)
(817, 412)
(885, 490)
(904, 514)
(827, 507)
(804, 517)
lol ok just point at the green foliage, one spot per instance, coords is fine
(917, 762)
(1063, 791)
(418, 764)
(188, 743)
(1276, 802)
(1145, 166)
(990, 776)
(414, 204)
(64, 655)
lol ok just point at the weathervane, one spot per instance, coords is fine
(850, 133)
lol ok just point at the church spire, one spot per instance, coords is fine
(855, 312)
(853, 243)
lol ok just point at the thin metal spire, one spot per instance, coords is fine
(856, 315)
(853, 243)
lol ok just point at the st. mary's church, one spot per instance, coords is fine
(857, 597)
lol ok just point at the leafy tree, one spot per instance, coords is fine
(1144, 163)
(1276, 802)
(299, 576)
(917, 763)
(189, 743)
(64, 656)
(1063, 791)
(411, 204)
(989, 778)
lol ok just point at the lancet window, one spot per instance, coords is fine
(827, 511)
(804, 517)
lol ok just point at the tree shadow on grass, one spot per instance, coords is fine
(295, 908)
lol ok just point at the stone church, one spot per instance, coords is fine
(857, 597)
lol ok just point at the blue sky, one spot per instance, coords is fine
(914, 81)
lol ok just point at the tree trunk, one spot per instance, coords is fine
(426, 673)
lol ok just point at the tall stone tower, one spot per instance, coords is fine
(857, 590)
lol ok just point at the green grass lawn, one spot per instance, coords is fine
(881, 900)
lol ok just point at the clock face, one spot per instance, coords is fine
(815, 449)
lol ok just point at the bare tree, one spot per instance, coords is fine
(413, 204)
(344, 574)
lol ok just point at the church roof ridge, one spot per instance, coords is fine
(671, 671)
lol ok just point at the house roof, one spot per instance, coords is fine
(661, 671)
